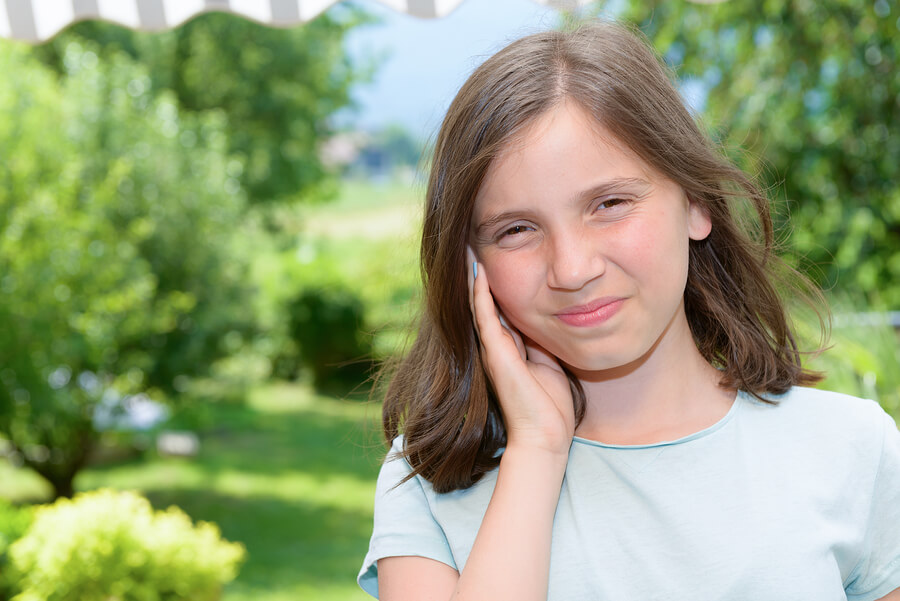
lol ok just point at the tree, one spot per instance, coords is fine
(121, 268)
(277, 88)
(812, 90)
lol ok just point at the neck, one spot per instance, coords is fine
(668, 393)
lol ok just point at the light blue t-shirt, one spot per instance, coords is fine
(798, 501)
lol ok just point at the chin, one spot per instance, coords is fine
(595, 366)
(600, 360)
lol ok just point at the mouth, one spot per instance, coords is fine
(591, 314)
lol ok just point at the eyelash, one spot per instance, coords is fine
(615, 202)
(510, 231)
(521, 228)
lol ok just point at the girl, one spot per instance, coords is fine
(605, 400)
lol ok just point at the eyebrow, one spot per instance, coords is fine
(602, 189)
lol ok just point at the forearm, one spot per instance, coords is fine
(510, 558)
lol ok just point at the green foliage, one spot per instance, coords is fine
(364, 244)
(390, 150)
(121, 267)
(327, 326)
(112, 545)
(14, 522)
(862, 359)
(812, 90)
(276, 88)
(400, 146)
(288, 473)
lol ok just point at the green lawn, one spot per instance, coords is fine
(289, 474)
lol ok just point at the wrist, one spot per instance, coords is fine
(551, 457)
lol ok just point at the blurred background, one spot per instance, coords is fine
(208, 241)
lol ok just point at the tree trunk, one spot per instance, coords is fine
(63, 486)
(61, 475)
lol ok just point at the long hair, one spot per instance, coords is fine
(439, 396)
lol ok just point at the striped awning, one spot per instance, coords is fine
(38, 20)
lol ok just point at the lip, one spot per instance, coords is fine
(591, 314)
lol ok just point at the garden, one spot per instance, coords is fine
(194, 304)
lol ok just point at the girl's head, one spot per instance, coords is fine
(585, 247)
(610, 79)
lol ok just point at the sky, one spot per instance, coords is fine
(427, 60)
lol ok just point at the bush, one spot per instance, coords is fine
(107, 545)
(14, 521)
(326, 325)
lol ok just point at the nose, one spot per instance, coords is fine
(576, 258)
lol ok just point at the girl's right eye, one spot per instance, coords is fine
(514, 235)
(516, 229)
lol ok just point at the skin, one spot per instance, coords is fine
(566, 217)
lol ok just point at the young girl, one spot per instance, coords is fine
(604, 399)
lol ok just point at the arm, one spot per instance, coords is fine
(894, 596)
(511, 554)
(510, 557)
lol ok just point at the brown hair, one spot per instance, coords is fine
(439, 396)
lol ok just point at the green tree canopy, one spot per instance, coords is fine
(121, 268)
(276, 88)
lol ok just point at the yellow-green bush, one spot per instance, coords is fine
(112, 546)
(14, 521)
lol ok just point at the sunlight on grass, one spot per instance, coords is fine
(289, 473)
(21, 485)
(368, 210)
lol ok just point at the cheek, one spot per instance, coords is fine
(662, 241)
(655, 254)
(514, 282)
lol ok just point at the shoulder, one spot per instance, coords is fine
(396, 469)
(836, 428)
(395, 474)
(815, 409)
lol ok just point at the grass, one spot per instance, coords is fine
(291, 474)
(288, 473)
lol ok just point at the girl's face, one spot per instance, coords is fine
(584, 245)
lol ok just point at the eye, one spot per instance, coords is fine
(514, 235)
(610, 203)
(516, 229)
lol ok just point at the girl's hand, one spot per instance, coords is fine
(533, 390)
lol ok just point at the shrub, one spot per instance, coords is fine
(112, 546)
(326, 325)
(14, 521)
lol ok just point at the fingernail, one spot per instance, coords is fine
(474, 270)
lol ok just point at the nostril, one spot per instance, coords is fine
(574, 266)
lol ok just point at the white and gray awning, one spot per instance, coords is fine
(38, 20)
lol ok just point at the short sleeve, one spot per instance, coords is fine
(404, 524)
(878, 572)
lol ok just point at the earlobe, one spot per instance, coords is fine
(699, 221)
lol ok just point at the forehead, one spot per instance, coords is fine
(561, 153)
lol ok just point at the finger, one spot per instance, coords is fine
(487, 319)
(471, 270)
(517, 338)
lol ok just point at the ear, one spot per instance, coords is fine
(699, 221)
